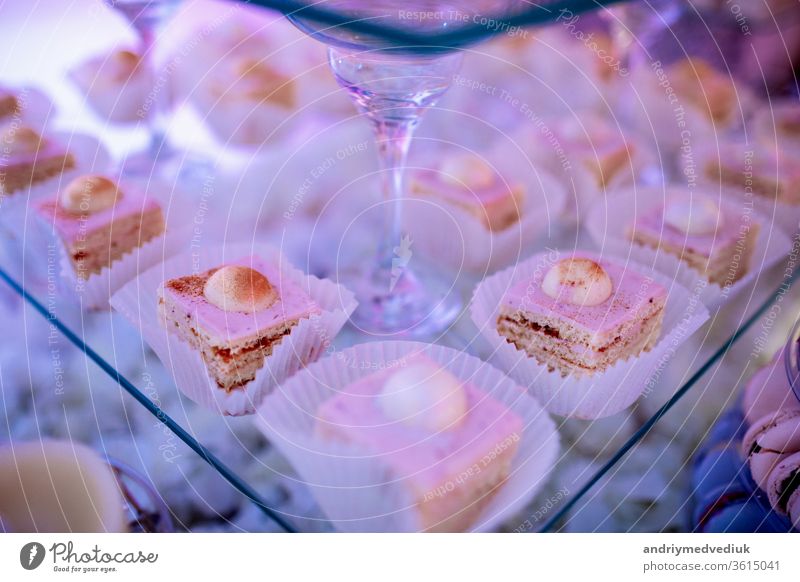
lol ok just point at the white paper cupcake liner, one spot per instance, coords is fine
(25, 241)
(114, 101)
(452, 237)
(308, 340)
(94, 292)
(354, 488)
(608, 222)
(585, 396)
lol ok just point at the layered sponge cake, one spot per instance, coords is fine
(583, 314)
(448, 443)
(703, 234)
(28, 158)
(234, 315)
(468, 182)
(99, 221)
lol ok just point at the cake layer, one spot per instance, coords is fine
(230, 367)
(110, 242)
(450, 474)
(764, 179)
(632, 292)
(233, 345)
(720, 266)
(496, 206)
(226, 328)
(560, 346)
(22, 172)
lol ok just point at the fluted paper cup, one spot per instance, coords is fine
(608, 223)
(93, 292)
(584, 396)
(452, 237)
(308, 340)
(355, 488)
(25, 240)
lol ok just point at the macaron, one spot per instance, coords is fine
(783, 483)
(793, 507)
(769, 391)
(763, 425)
(771, 447)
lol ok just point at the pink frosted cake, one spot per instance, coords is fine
(28, 159)
(234, 315)
(450, 444)
(599, 147)
(99, 221)
(583, 314)
(764, 172)
(470, 184)
(706, 236)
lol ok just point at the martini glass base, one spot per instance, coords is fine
(402, 307)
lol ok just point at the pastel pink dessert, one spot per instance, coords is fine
(784, 483)
(767, 173)
(99, 221)
(598, 147)
(472, 185)
(583, 314)
(234, 315)
(29, 159)
(769, 391)
(769, 440)
(707, 236)
(793, 509)
(450, 444)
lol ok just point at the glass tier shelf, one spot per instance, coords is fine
(705, 374)
(737, 337)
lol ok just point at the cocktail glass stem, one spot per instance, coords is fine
(147, 17)
(154, 109)
(393, 91)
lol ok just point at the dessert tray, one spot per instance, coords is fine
(578, 466)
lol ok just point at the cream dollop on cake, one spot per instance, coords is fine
(424, 396)
(578, 281)
(239, 288)
(694, 218)
(467, 169)
(90, 194)
(22, 140)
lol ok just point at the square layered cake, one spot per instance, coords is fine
(707, 236)
(234, 315)
(29, 158)
(447, 442)
(583, 314)
(768, 174)
(472, 185)
(99, 221)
